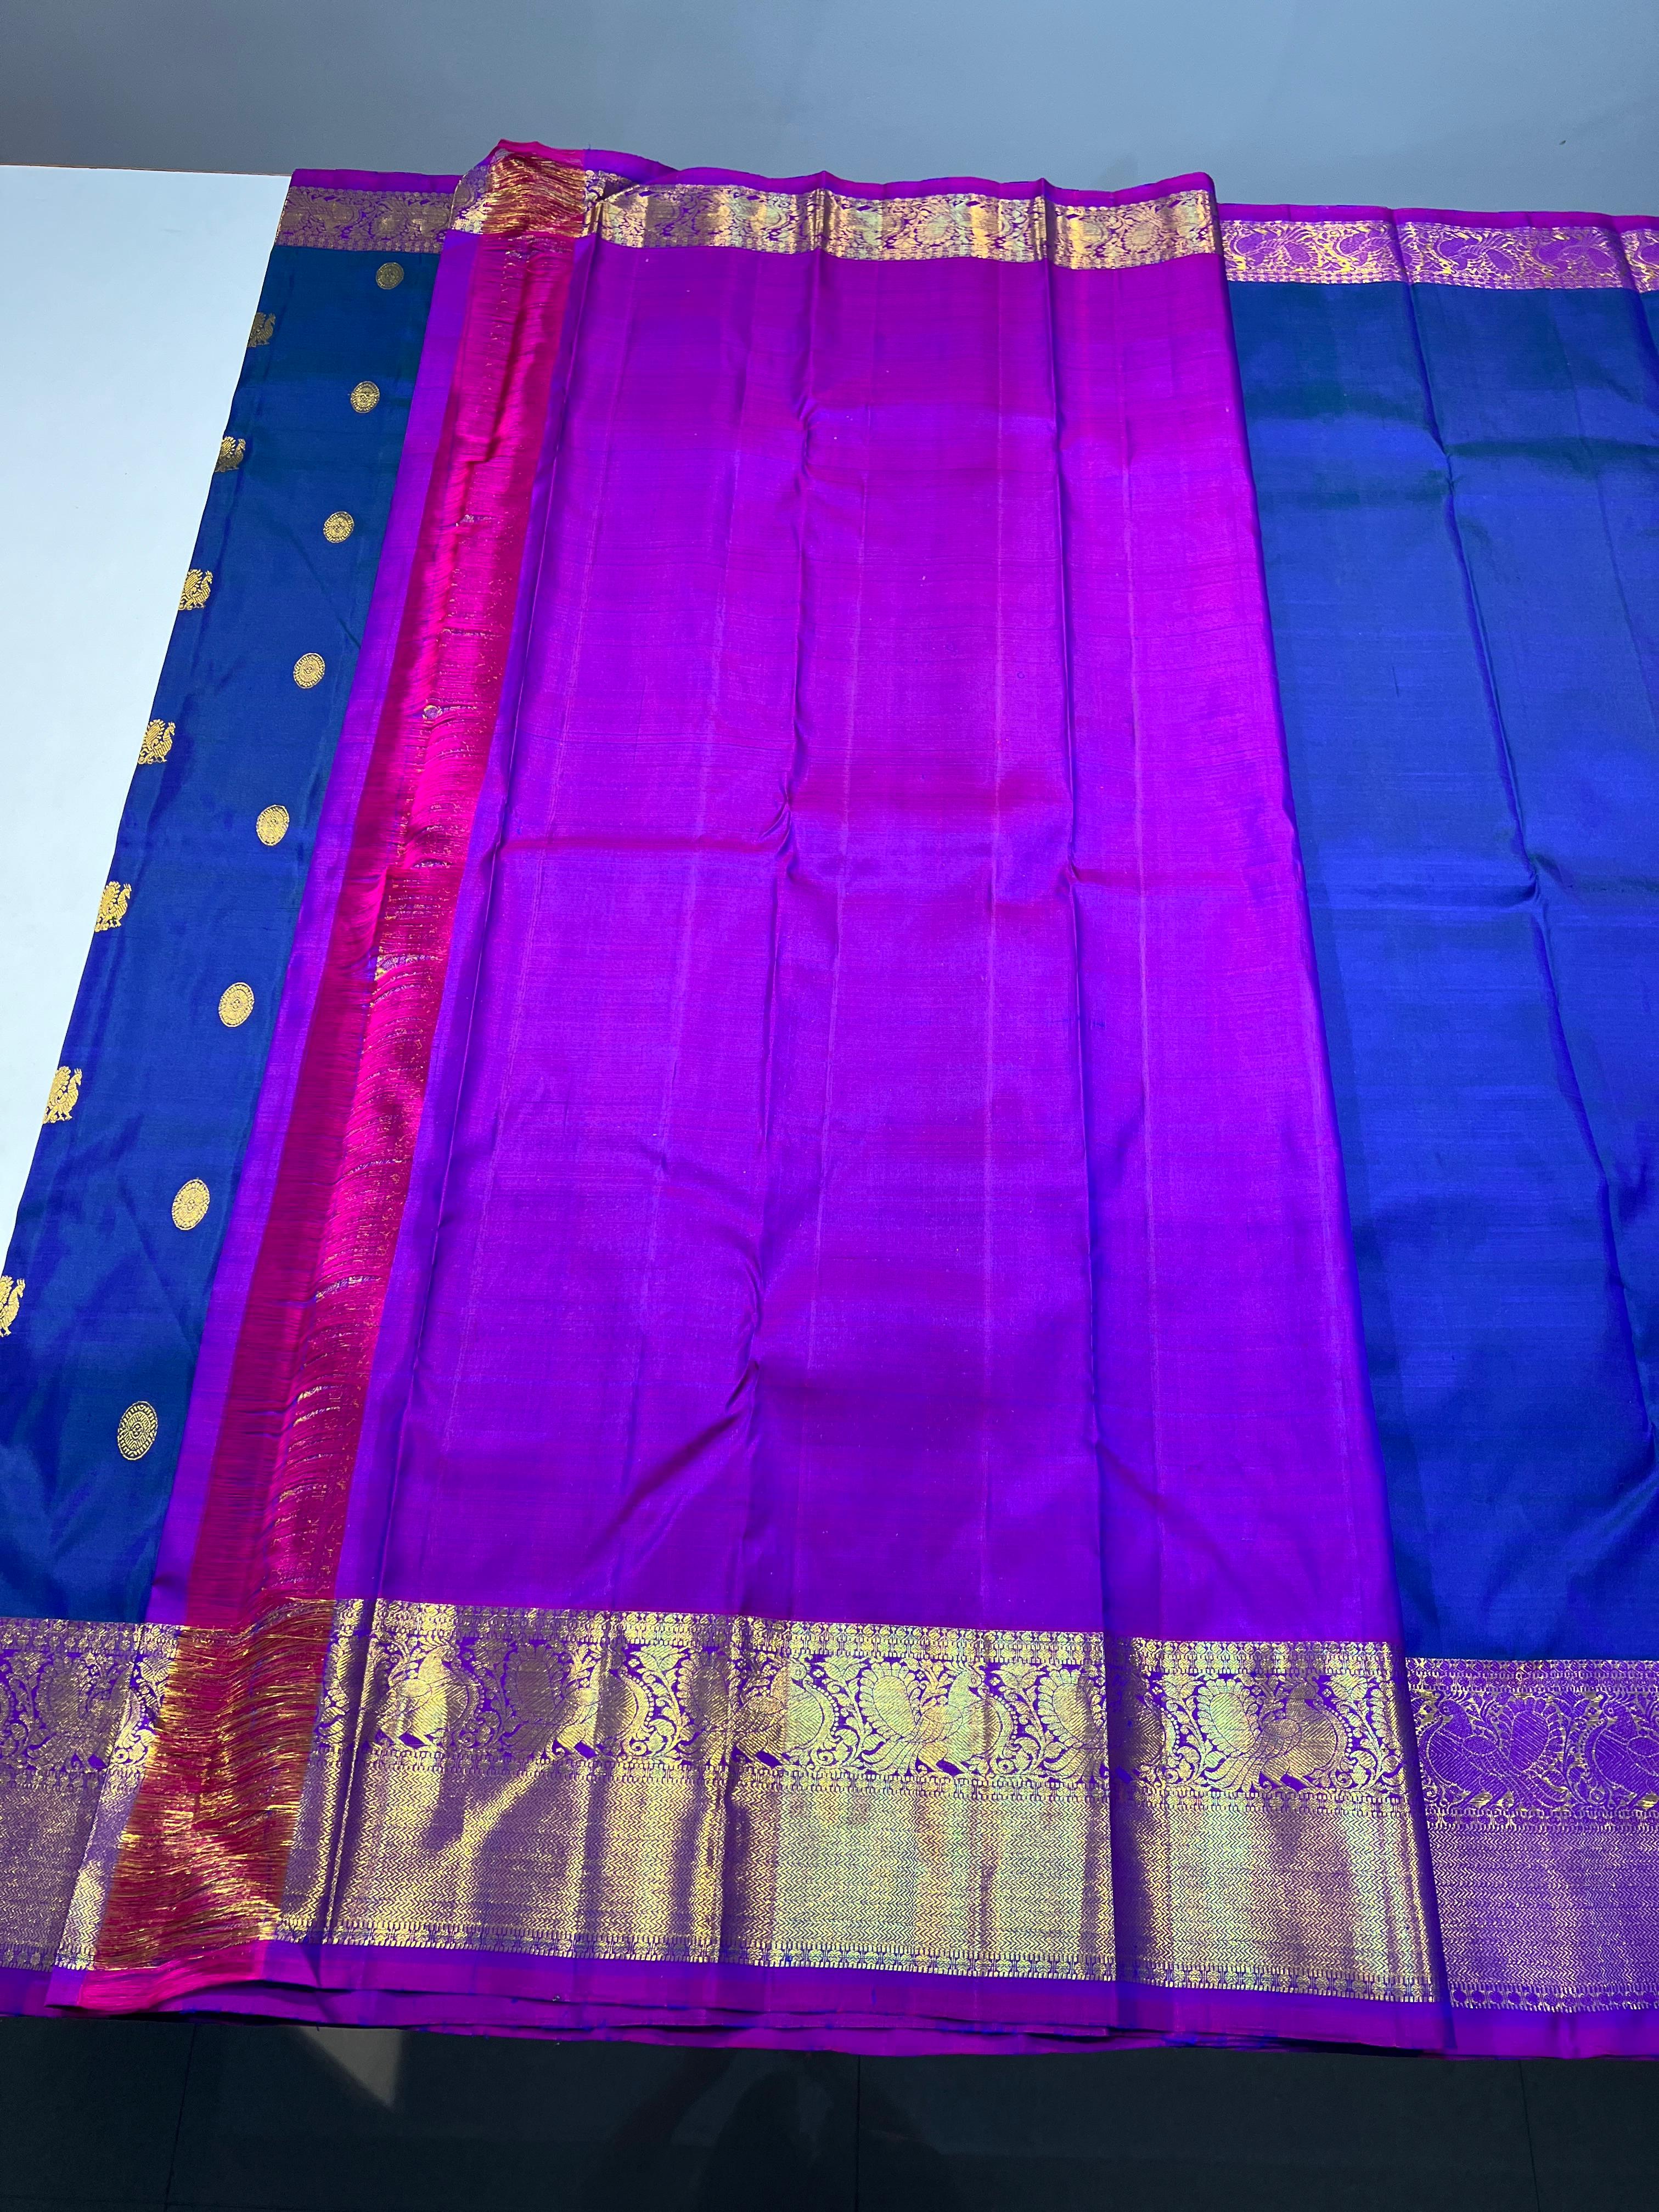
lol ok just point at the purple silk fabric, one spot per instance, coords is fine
(878, 1161)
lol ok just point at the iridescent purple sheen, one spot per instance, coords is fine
(879, 1162)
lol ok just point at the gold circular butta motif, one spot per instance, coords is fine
(339, 527)
(137, 1429)
(235, 1005)
(272, 827)
(365, 397)
(308, 670)
(389, 275)
(190, 1203)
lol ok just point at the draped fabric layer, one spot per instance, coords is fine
(1456, 481)
(783, 1445)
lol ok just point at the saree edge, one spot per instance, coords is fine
(414, 1743)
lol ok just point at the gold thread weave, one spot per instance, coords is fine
(1282, 250)
(112, 903)
(661, 1785)
(1482, 255)
(1540, 1787)
(1641, 249)
(78, 1699)
(137, 1429)
(923, 227)
(63, 1094)
(353, 219)
(944, 1801)
(516, 194)
(191, 1202)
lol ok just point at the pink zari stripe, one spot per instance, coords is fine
(202, 1860)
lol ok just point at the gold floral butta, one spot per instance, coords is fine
(113, 905)
(63, 1094)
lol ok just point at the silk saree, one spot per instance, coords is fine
(845, 1239)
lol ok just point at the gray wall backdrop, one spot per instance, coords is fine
(1458, 103)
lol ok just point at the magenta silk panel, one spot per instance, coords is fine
(879, 1164)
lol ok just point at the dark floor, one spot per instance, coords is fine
(154, 2113)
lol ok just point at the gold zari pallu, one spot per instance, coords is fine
(677, 1787)
(938, 1801)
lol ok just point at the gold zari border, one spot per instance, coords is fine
(79, 1702)
(926, 227)
(685, 1787)
(515, 194)
(1485, 257)
(1641, 249)
(358, 220)
(661, 1786)
(1540, 1786)
(1273, 250)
